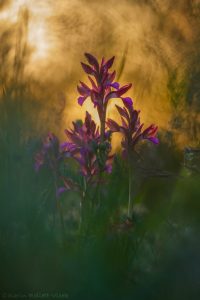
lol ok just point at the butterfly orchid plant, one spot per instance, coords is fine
(86, 143)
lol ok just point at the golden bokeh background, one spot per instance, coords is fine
(155, 42)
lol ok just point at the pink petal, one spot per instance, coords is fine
(92, 60)
(81, 100)
(88, 69)
(109, 63)
(127, 101)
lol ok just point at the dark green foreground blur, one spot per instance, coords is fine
(157, 257)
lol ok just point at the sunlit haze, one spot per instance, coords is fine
(148, 40)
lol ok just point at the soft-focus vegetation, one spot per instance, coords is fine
(156, 256)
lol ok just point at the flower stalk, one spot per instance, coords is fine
(132, 133)
(83, 203)
(89, 145)
(129, 186)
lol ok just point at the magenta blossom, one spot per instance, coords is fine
(85, 146)
(103, 87)
(131, 128)
(49, 154)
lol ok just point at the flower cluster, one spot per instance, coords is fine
(131, 128)
(86, 143)
(103, 87)
(50, 154)
(85, 146)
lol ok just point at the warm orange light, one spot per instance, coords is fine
(37, 27)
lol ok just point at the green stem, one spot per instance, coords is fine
(61, 218)
(59, 208)
(82, 203)
(129, 185)
(102, 134)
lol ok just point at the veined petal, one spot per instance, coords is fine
(111, 76)
(150, 131)
(124, 89)
(83, 91)
(94, 98)
(88, 121)
(124, 124)
(109, 63)
(92, 61)
(111, 95)
(123, 112)
(154, 129)
(89, 70)
(94, 86)
(112, 125)
(85, 86)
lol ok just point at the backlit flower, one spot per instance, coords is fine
(85, 146)
(131, 127)
(49, 154)
(103, 87)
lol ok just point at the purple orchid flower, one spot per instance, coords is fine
(49, 154)
(133, 132)
(103, 87)
(131, 128)
(84, 145)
